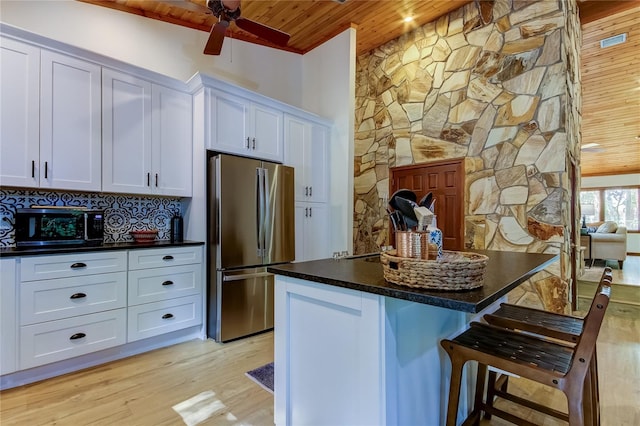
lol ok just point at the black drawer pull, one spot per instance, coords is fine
(168, 257)
(167, 316)
(33, 169)
(168, 282)
(77, 336)
(78, 265)
(78, 296)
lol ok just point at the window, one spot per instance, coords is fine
(619, 205)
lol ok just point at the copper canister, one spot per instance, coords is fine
(412, 244)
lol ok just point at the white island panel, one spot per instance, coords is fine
(328, 355)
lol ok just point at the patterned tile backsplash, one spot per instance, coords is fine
(123, 213)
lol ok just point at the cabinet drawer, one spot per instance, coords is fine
(59, 298)
(57, 340)
(153, 285)
(157, 318)
(72, 265)
(173, 256)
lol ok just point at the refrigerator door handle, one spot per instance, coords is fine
(239, 277)
(259, 210)
(267, 214)
(262, 190)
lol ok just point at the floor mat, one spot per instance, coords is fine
(263, 376)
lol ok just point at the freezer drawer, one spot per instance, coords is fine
(245, 303)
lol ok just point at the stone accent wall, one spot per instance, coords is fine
(496, 83)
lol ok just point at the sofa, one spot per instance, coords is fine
(609, 242)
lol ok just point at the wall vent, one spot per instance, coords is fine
(612, 41)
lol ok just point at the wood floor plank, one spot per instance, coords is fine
(142, 390)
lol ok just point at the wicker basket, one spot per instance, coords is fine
(456, 270)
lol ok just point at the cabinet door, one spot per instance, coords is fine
(172, 142)
(312, 224)
(316, 158)
(294, 136)
(126, 133)
(317, 232)
(266, 132)
(8, 313)
(229, 115)
(70, 125)
(19, 113)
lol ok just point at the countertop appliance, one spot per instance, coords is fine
(41, 226)
(250, 226)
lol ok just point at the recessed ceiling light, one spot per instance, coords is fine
(408, 19)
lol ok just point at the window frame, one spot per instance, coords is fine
(601, 190)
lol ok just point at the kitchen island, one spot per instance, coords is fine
(352, 348)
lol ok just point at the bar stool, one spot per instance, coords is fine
(553, 363)
(546, 324)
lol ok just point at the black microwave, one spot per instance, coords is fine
(58, 226)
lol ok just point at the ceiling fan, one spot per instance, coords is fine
(229, 10)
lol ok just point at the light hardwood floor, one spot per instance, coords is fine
(629, 274)
(209, 377)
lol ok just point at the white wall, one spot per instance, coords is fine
(329, 90)
(633, 240)
(165, 48)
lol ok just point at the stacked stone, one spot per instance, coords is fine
(498, 84)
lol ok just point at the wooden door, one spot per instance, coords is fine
(445, 180)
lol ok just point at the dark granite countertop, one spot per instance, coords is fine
(13, 251)
(505, 271)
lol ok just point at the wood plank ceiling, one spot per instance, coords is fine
(611, 95)
(610, 77)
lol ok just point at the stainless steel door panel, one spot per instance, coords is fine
(280, 214)
(245, 303)
(235, 211)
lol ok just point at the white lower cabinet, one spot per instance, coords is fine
(165, 291)
(152, 319)
(66, 338)
(8, 316)
(70, 305)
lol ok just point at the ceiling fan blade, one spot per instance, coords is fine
(216, 37)
(270, 34)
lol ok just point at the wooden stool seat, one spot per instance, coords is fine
(564, 365)
(547, 324)
(517, 347)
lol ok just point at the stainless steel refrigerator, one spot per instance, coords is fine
(251, 226)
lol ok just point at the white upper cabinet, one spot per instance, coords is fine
(172, 130)
(50, 119)
(19, 113)
(70, 127)
(306, 149)
(146, 137)
(241, 126)
(126, 133)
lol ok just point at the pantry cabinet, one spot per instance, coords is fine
(51, 128)
(306, 149)
(312, 236)
(241, 126)
(147, 137)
